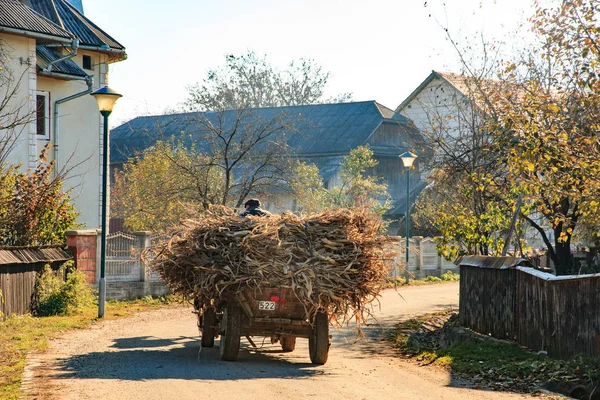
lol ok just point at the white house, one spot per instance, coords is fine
(447, 107)
(52, 58)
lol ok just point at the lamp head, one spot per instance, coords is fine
(106, 98)
(408, 159)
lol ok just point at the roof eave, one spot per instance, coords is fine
(114, 54)
(433, 75)
(60, 75)
(36, 35)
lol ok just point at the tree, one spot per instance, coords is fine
(237, 151)
(250, 81)
(166, 184)
(357, 187)
(306, 185)
(469, 204)
(541, 119)
(34, 208)
(15, 113)
(552, 126)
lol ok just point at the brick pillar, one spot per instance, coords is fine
(83, 245)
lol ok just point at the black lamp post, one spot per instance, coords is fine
(106, 98)
(408, 159)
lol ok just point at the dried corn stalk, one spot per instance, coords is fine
(334, 260)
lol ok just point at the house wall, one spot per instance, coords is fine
(393, 172)
(436, 107)
(80, 138)
(80, 124)
(391, 135)
(22, 72)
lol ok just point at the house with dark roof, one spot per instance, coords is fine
(52, 57)
(321, 134)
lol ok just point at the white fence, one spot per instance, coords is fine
(423, 258)
(123, 257)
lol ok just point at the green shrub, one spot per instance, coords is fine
(35, 209)
(432, 278)
(450, 276)
(58, 297)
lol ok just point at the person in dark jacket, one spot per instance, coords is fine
(253, 208)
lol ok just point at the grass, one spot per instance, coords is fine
(20, 335)
(447, 276)
(490, 363)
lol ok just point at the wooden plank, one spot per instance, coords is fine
(18, 283)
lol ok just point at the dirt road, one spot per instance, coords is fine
(156, 355)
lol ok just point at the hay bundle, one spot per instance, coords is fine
(333, 260)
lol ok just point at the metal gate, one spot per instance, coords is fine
(123, 263)
(123, 256)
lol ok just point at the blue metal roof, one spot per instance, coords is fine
(318, 130)
(64, 14)
(67, 67)
(16, 15)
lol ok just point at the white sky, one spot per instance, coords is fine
(377, 49)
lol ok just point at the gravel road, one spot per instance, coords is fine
(156, 355)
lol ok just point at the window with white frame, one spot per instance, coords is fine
(42, 112)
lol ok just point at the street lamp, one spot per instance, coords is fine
(106, 98)
(408, 159)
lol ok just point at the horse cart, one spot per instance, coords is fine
(272, 312)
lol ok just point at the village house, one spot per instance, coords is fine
(54, 56)
(446, 107)
(321, 134)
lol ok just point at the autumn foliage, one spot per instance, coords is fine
(34, 208)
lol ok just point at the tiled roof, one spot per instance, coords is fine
(320, 129)
(15, 15)
(64, 14)
(67, 67)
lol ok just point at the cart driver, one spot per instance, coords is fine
(253, 208)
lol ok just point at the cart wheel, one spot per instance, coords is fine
(318, 341)
(231, 326)
(288, 343)
(209, 320)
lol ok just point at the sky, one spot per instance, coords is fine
(376, 49)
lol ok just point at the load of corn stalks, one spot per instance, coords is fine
(333, 261)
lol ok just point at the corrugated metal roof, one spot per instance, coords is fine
(492, 262)
(328, 166)
(399, 204)
(68, 67)
(29, 255)
(320, 129)
(64, 14)
(15, 15)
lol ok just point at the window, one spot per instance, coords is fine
(43, 115)
(87, 62)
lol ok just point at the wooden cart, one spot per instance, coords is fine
(271, 312)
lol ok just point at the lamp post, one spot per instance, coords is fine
(106, 98)
(408, 159)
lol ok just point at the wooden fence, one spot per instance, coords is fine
(560, 315)
(19, 268)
